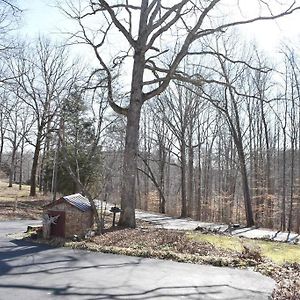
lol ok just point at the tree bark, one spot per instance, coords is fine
(283, 196)
(35, 166)
(162, 163)
(183, 180)
(21, 164)
(128, 192)
(1, 147)
(199, 177)
(190, 183)
(236, 131)
(12, 167)
(245, 184)
(238, 140)
(291, 208)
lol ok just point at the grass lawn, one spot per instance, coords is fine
(279, 253)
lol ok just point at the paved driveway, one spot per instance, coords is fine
(30, 271)
(167, 222)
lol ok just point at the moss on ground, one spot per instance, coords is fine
(278, 252)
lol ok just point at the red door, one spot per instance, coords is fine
(58, 229)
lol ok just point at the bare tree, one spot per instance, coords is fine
(179, 108)
(163, 141)
(228, 96)
(4, 110)
(291, 123)
(157, 20)
(42, 78)
(10, 4)
(9, 17)
(20, 122)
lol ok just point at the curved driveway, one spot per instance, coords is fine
(31, 271)
(167, 222)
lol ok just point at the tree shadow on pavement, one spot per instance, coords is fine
(24, 258)
(14, 249)
(34, 262)
(222, 291)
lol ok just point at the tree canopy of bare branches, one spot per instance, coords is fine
(150, 38)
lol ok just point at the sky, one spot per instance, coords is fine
(41, 17)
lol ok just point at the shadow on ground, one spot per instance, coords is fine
(170, 292)
(25, 270)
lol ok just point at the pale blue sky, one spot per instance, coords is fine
(40, 17)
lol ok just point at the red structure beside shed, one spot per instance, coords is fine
(75, 216)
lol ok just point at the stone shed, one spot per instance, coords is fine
(75, 215)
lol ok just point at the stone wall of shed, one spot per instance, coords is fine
(76, 222)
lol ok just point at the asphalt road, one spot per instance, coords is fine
(31, 271)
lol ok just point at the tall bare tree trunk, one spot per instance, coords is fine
(183, 180)
(1, 147)
(283, 196)
(35, 166)
(236, 131)
(199, 177)
(162, 163)
(128, 192)
(12, 167)
(238, 140)
(21, 164)
(291, 208)
(190, 179)
(55, 171)
(246, 190)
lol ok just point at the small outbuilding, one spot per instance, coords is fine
(74, 213)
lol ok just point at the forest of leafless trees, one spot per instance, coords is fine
(212, 131)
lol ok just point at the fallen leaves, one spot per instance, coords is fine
(22, 209)
(288, 282)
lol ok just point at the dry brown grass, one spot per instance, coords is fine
(16, 204)
(11, 193)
